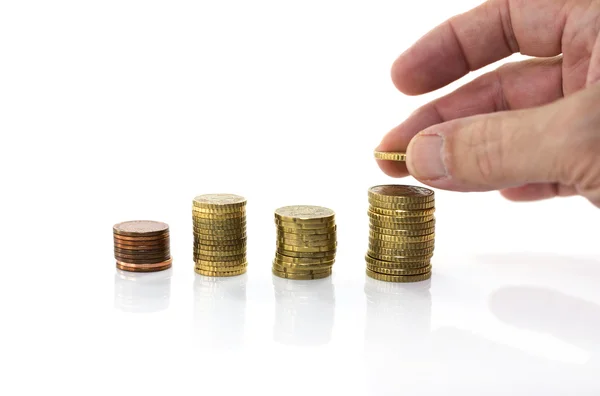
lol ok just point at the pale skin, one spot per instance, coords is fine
(529, 129)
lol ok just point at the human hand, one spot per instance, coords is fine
(529, 129)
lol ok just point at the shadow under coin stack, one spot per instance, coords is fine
(142, 246)
(219, 235)
(401, 235)
(306, 242)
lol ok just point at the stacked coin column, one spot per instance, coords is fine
(142, 246)
(401, 236)
(219, 235)
(306, 242)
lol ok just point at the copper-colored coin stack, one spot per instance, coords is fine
(306, 242)
(219, 234)
(142, 246)
(402, 233)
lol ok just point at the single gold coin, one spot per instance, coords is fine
(211, 263)
(311, 255)
(401, 213)
(219, 274)
(306, 238)
(304, 226)
(232, 268)
(401, 193)
(401, 238)
(406, 257)
(326, 265)
(412, 262)
(390, 156)
(304, 214)
(219, 201)
(295, 242)
(401, 245)
(398, 278)
(306, 232)
(300, 270)
(401, 205)
(304, 249)
(400, 271)
(393, 228)
(304, 260)
(288, 275)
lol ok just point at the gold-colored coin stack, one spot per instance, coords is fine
(142, 246)
(402, 232)
(306, 242)
(219, 234)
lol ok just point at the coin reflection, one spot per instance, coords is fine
(304, 311)
(397, 332)
(142, 292)
(220, 310)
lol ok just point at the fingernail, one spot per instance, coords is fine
(425, 156)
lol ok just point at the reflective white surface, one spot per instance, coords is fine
(126, 109)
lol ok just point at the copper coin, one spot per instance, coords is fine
(141, 246)
(143, 261)
(163, 265)
(142, 254)
(140, 228)
(156, 238)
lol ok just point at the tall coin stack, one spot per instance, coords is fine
(219, 234)
(142, 246)
(401, 235)
(306, 242)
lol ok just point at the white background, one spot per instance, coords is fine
(121, 110)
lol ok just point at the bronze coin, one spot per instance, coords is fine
(142, 253)
(140, 228)
(160, 266)
(155, 238)
(141, 246)
(142, 261)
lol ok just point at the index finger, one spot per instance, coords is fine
(487, 33)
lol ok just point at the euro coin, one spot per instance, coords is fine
(401, 193)
(219, 201)
(412, 262)
(288, 275)
(140, 228)
(398, 278)
(200, 271)
(390, 156)
(400, 271)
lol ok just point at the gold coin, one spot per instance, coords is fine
(401, 205)
(401, 193)
(300, 270)
(219, 211)
(306, 238)
(411, 262)
(219, 201)
(401, 233)
(401, 238)
(398, 278)
(325, 265)
(219, 273)
(303, 260)
(306, 232)
(211, 263)
(427, 224)
(401, 245)
(210, 236)
(400, 216)
(220, 248)
(400, 271)
(304, 249)
(404, 258)
(219, 254)
(288, 275)
(219, 242)
(401, 213)
(304, 226)
(295, 242)
(390, 156)
(232, 268)
(219, 259)
(218, 225)
(324, 255)
(218, 216)
(304, 214)
(380, 251)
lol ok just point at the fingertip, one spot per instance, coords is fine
(392, 168)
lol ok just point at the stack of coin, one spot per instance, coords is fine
(219, 234)
(306, 242)
(401, 235)
(142, 246)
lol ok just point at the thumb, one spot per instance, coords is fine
(489, 152)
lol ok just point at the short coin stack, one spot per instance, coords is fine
(219, 234)
(306, 242)
(401, 235)
(142, 246)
